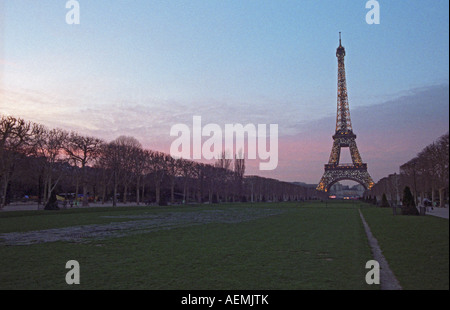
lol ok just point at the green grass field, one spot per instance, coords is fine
(269, 246)
(416, 248)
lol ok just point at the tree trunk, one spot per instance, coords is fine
(143, 191)
(85, 198)
(115, 195)
(158, 192)
(441, 197)
(103, 194)
(172, 191)
(39, 190)
(46, 194)
(137, 190)
(76, 190)
(184, 191)
(125, 193)
(4, 191)
(49, 187)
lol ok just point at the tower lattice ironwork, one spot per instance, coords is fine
(344, 137)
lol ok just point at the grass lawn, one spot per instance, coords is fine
(416, 247)
(271, 246)
(302, 246)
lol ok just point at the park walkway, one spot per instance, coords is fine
(34, 206)
(439, 212)
(387, 277)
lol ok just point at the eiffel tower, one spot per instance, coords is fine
(344, 138)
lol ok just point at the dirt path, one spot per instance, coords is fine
(134, 224)
(388, 281)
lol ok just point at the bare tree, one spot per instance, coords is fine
(130, 149)
(103, 164)
(224, 174)
(442, 167)
(49, 146)
(210, 172)
(424, 174)
(123, 158)
(54, 155)
(186, 170)
(239, 171)
(140, 163)
(16, 136)
(83, 150)
(158, 169)
(173, 170)
(198, 174)
(111, 160)
(224, 161)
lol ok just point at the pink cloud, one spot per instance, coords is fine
(389, 134)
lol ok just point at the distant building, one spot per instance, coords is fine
(340, 191)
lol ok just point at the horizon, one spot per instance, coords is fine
(137, 70)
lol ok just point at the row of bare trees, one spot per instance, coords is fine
(37, 161)
(427, 175)
(53, 152)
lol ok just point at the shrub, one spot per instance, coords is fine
(384, 202)
(409, 206)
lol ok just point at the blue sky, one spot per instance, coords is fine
(139, 67)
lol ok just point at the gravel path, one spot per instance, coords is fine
(388, 281)
(439, 212)
(135, 224)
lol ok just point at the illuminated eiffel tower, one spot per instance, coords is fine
(344, 137)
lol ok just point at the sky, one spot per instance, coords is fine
(138, 68)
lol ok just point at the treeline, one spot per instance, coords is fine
(38, 162)
(427, 175)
